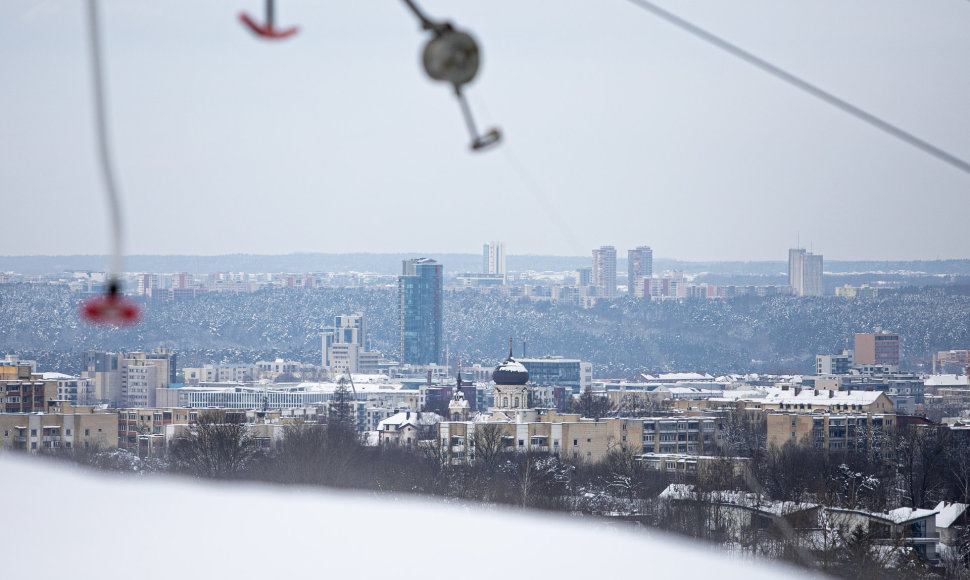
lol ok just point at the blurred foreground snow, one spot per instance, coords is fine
(71, 523)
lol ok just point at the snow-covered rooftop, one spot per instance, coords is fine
(738, 395)
(946, 381)
(742, 499)
(820, 396)
(948, 513)
(897, 516)
(904, 514)
(413, 418)
(674, 377)
(58, 377)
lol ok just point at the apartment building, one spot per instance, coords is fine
(575, 438)
(22, 391)
(143, 430)
(797, 399)
(63, 426)
(880, 348)
(690, 435)
(128, 379)
(833, 431)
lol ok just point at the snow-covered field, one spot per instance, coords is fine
(60, 521)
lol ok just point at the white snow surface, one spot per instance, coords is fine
(166, 527)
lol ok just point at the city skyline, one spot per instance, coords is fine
(224, 144)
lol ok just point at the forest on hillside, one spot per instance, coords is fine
(747, 334)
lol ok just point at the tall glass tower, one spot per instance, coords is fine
(419, 302)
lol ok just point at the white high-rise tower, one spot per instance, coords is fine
(805, 272)
(493, 258)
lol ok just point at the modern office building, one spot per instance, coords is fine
(560, 372)
(347, 329)
(805, 272)
(604, 271)
(493, 258)
(881, 348)
(419, 306)
(834, 364)
(639, 266)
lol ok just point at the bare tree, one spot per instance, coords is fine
(220, 445)
(593, 406)
(488, 444)
(959, 462)
(921, 455)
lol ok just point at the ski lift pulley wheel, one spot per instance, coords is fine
(451, 56)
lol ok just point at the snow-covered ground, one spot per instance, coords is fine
(64, 522)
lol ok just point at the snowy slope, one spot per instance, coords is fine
(69, 523)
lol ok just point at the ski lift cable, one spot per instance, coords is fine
(805, 86)
(112, 307)
(101, 130)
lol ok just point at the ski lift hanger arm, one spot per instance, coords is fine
(452, 56)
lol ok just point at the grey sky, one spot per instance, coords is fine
(620, 129)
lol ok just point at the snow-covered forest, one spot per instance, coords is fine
(770, 334)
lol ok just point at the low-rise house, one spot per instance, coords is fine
(740, 512)
(951, 517)
(899, 528)
(407, 428)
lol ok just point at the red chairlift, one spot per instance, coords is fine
(268, 30)
(111, 308)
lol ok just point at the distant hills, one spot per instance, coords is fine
(454, 263)
(748, 334)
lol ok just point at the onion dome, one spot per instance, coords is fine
(510, 372)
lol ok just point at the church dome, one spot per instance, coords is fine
(510, 372)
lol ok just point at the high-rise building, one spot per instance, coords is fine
(881, 348)
(129, 379)
(604, 271)
(419, 303)
(639, 266)
(493, 258)
(805, 272)
(344, 346)
(346, 329)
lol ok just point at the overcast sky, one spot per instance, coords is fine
(620, 129)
